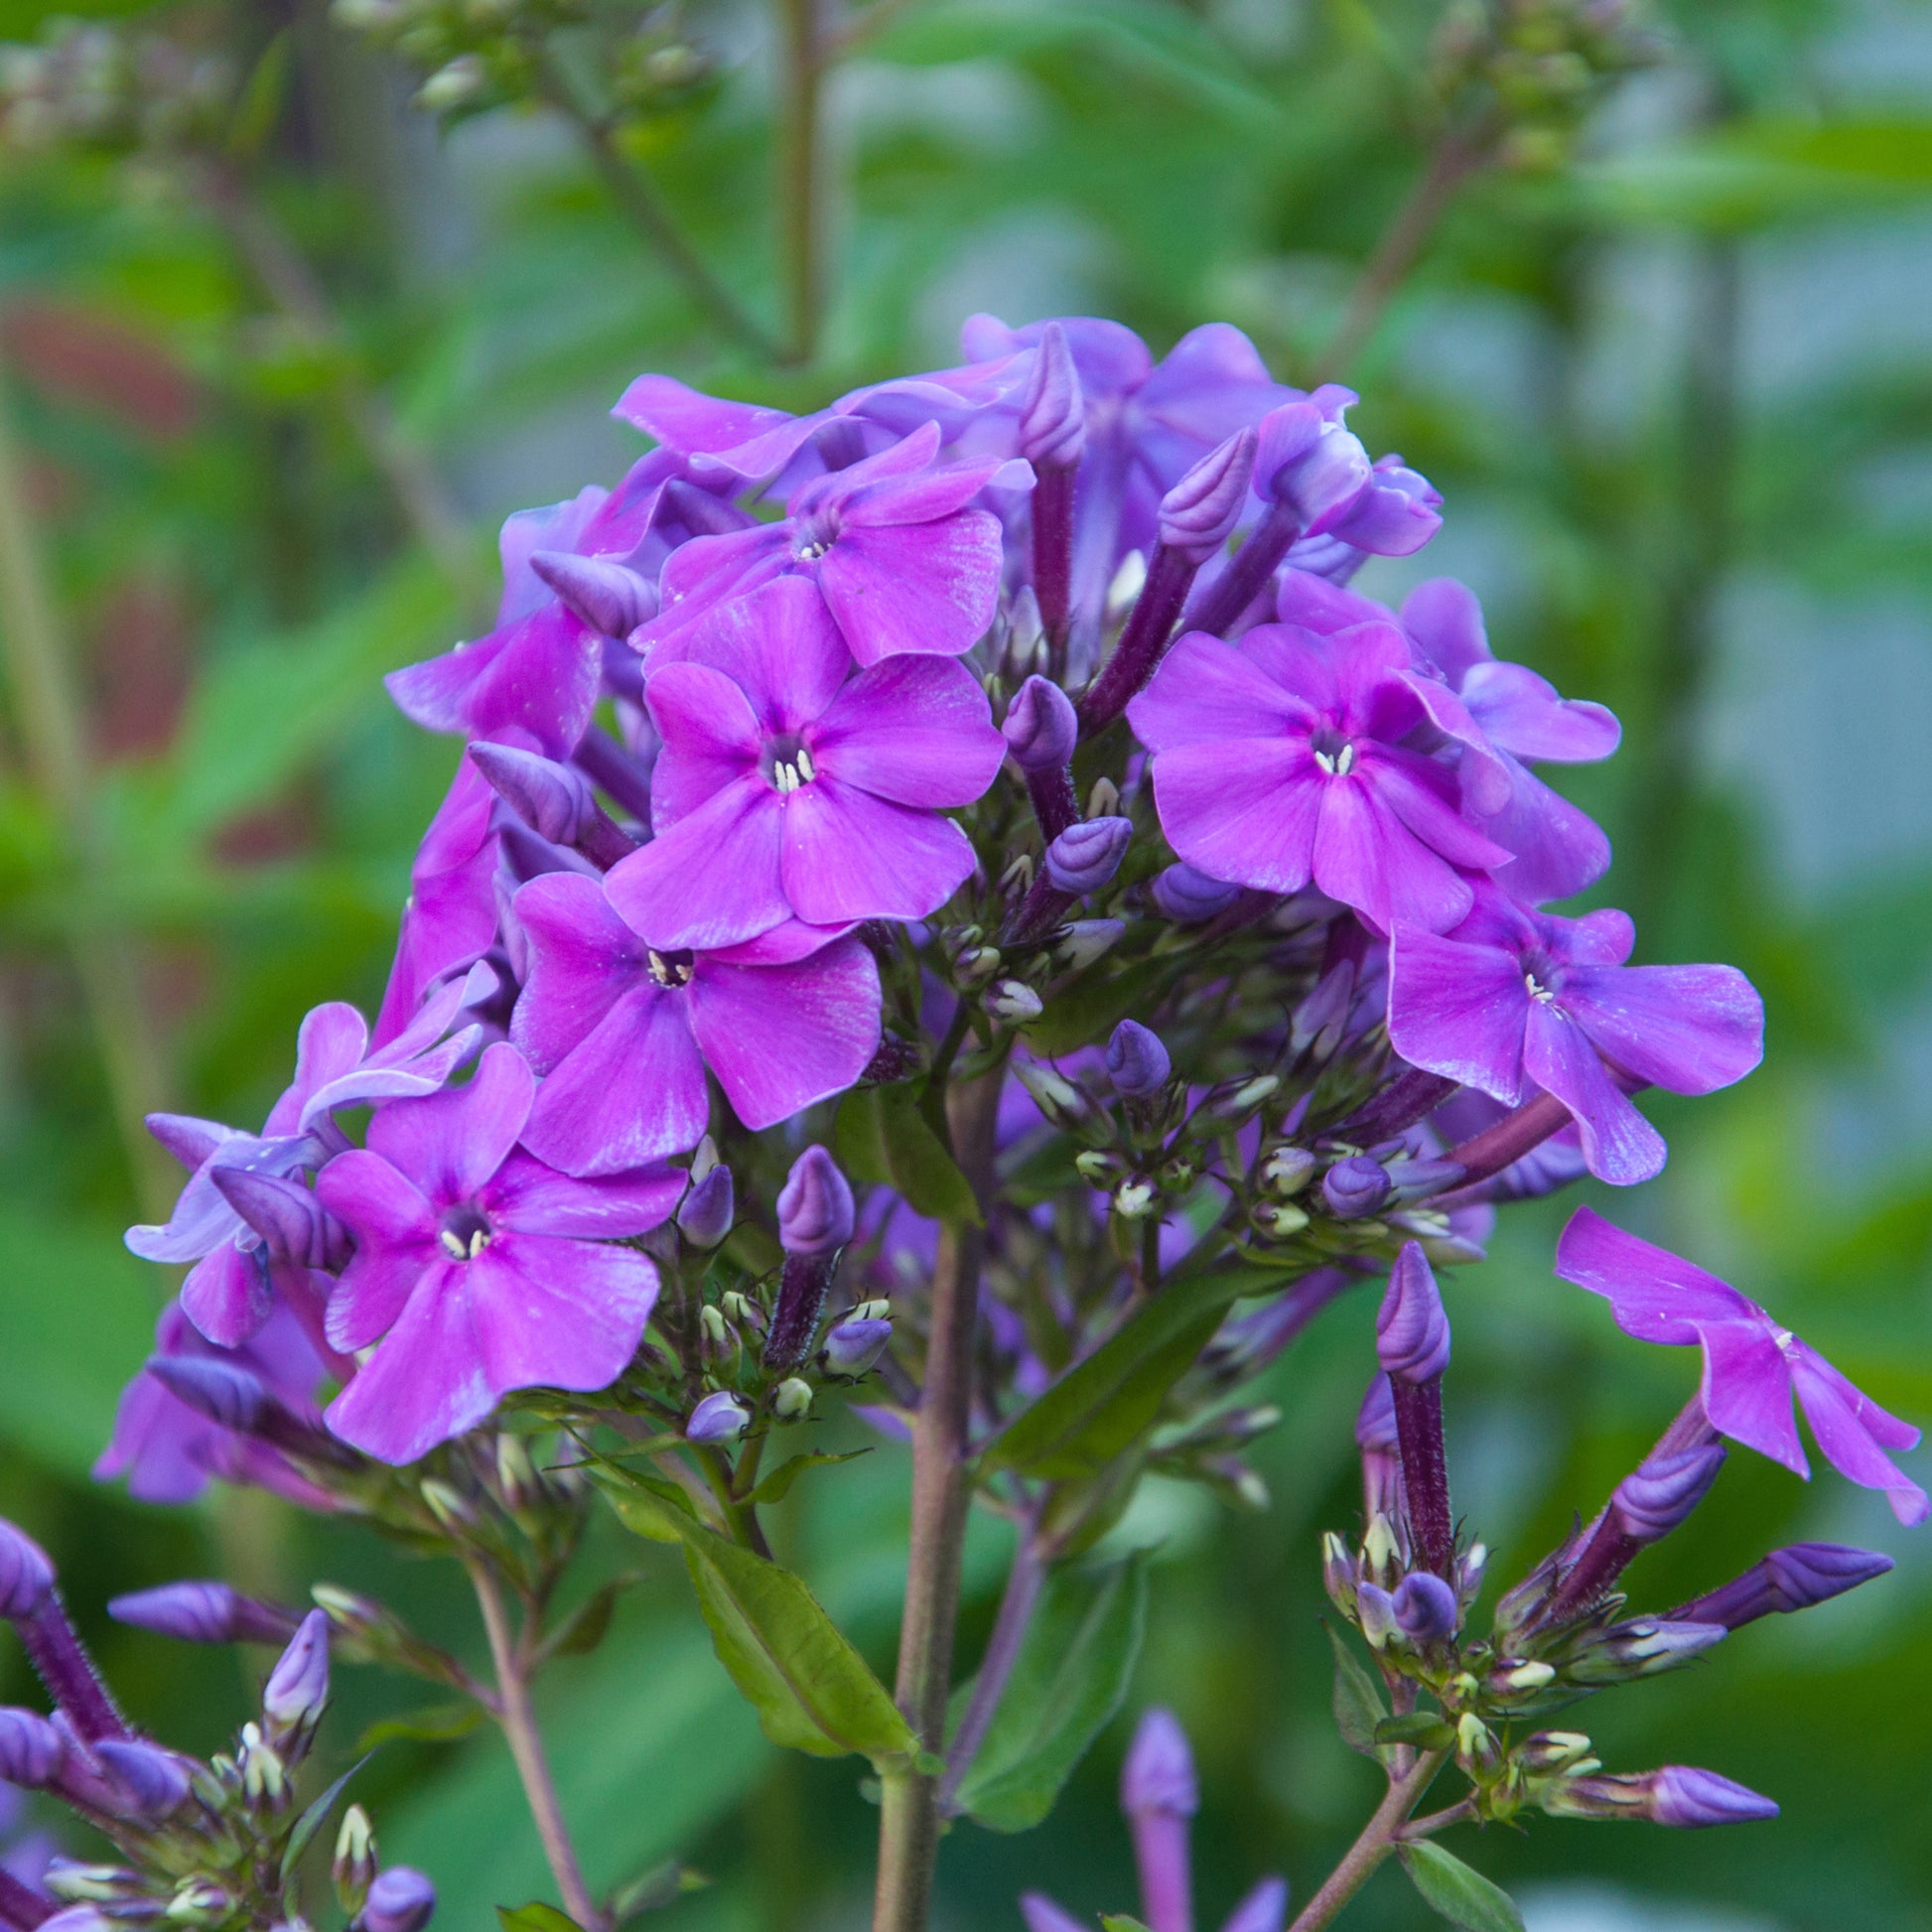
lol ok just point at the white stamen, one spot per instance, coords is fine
(1338, 764)
(452, 1245)
(1538, 991)
(477, 1243)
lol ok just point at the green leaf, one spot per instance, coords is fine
(1459, 1893)
(1103, 1404)
(880, 1135)
(313, 1818)
(1359, 1704)
(1120, 1922)
(536, 1917)
(647, 1504)
(778, 1485)
(651, 1891)
(1097, 1002)
(1071, 1678)
(590, 1624)
(434, 1723)
(1423, 1729)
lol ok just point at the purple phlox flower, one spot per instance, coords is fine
(1752, 1367)
(1399, 504)
(784, 1020)
(1514, 1000)
(228, 1292)
(894, 546)
(789, 788)
(169, 1450)
(1280, 759)
(1311, 460)
(479, 1269)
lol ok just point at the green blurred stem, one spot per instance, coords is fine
(1380, 1836)
(739, 1512)
(909, 1820)
(1017, 1606)
(801, 187)
(512, 1656)
(48, 714)
(288, 280)
(639, 200)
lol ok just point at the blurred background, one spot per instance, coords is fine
(294, 309)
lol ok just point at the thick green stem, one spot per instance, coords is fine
(1380, 1836)
(801, 187)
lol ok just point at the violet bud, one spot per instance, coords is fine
(1198, 515)
(852, 1346)
(197, 1612)
(354, 1867)
(222, 1391)
(718, 1418)
(610, 598)
(298, 1686)
(1041, 727)
(1082, 941)
(26, 1572)
(1662, 1491)
(1053, 415)
(1688, 1799)
(32, 1750)
(704, 1218)
(1426, 1607)
(1309, 461)
(1375, 1613)
(1355, 1187)
(1086, 855)
(554, 801)
(1137, 1062)
(1375, 1421)
(1788, 1580)
(401, 1901)
(293, 1224)
(1188, 897)
(1411, 1332)
(815, 1210)
(1158, 1773)
(1643, 1647)
(153, 1782)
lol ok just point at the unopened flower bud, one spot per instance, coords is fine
(1087, 854)
(1137, 1062)
(354, 1867)
(852, 1346)
(704, 1218)
(1475, 1743)
(26, 1572)
(1678, 1796)
(737, 1306)
(1101, 1167)
(1013, 1001)
(298, 1686)
(1103, 801)
(1521, 1678)
(1553, 1751)
(1232, 1104)
(453, 84)
(715, 1332)
(32, 1751)
(1662, 1491)
(1082, 941)
(1287, 1171)
(1279, 1220)
(1375, 1430)
(554, 801)
(1379, 1547)
(1041, 727)
(609, 595)
(1411, 1332)
(1375, 1613)
(200, 1902)
(718, 1418)
(1642, 1647)
(976, 965)
(1308, 461)
(815, 1210)
(401, 1901)
(1198, 515)
(1052, 414)
(293, 1224)
(1136, 1199)
(1159, 1772)
(450, 1507)
(1355, 1187)
(264, 1771)
(1338, 1577)
(1426, 1607)
(90, 1884)
(1188, 897)
(517, 1482)
(153, 1782)
(791, 1399)
(1063, 1104)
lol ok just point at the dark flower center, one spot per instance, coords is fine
(671, 969)
(1542, 975)
(465, 1232)
(1332, 751)
(789, 765)
(818, 531)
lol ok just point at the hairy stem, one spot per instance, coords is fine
(517, 1716)
(801, 187)
(908, 1823)
(1017, 1606)
(1379, 1838)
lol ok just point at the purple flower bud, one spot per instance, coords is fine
(1053, 416)
(221, 1391)
(1198, 515)
(1375, 1420)
(1662, 1491)
(203, 1612)
(1308, 461)
(1187, 896)
(1041, 727)
(1086, 855)
(26, 1572)
(1411, 1332)
(1158, 1774)
(1375, 1613)
(815, 1210)
(153, 1782)
(718, 1418)
(1792, 1578)
(79, 1918)
(401, 1901)
(1643, 1647)
(1688, 1799)
(613, 600)
(1355, 1187)
(293, 1224)
(851, 1348)
(1137, 1062)
(298, 1686)
(554, 801)
(1426, 1607)
(31, 1748)
(704, 1218)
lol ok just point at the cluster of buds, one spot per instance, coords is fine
(211, 1845)
(1559, 1636)
(108, 89)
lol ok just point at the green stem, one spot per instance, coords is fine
(1379, 1838)
(801, 187)
(741, 1516)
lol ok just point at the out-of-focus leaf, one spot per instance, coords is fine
(1071, 1678)
(1425, 1730)
(1359, 1704)
(435, 1723)
(1459, 1893)
(653, 1890)
(1096, 1002)
(778, 1485)
(535, 1917)
(879, 1135)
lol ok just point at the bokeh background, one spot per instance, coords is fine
(262, 413)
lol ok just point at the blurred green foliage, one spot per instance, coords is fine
(1678, 393)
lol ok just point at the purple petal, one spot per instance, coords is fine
(851, 856)
(582, 960)
(332, 1043)
(1042, 1915)
(1526, 715)
(396, 1232)
(226, 1295)
(686, 420)
(1559, 850)
(1313, 603)
(1655, 1295)
(551, 1314)
(452, 1142)
(1619, 1145)
(1300, 661)
(1445, 620)
(1264, 1909)
(917, 587)
(781, 648)
(710, 739)
(1459, 1010)
(1688, 1028)
(703, 574)
(916, 730)
(555, 526)
(534, 1198)
(1243, 810)
(1422, 795)
(1208, 692)
(1854, 1432)
(189, 1140)
(427, 1380)
(1365, 857)
(1747, 1393)
(713, 878)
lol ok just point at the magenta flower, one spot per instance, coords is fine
(892, 544)
(1513, 1000)
(226, 1294)
(1752, 1367)
(786, 788)
(624, 1032)
(479, 1269)
(1280, 759)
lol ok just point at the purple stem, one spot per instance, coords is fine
(794, 1321)
(1016, 1606)
(1170, 577)
(1512, 1137)
(1253, 564)
(55, 1650)
(607, 764)
(22, 1908)
(1038, 914)
(1403, 1101)
(1054, 804)
(1053, 552)
(1425, 1470)
(1167, 1884)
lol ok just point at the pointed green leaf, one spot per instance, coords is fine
(661, 1886)
(1359, 1704)
(1071, 1675)
(880, 1135)
(778, 1485)
(647, 1504)
(1120, 1922)
(1425, 1730)
(1461, 1895)
(536, 1917)
(312, 1820)
(590, 1624)
(435, 1723)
